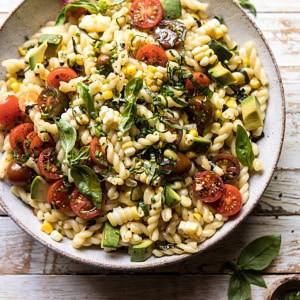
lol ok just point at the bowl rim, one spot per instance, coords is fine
(176, 258)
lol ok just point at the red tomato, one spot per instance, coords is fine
(58, 196)
(230, 202)
(9, 110)
(34, 144)
(18, 174)
(48, 164)
(229, 164)
(19, 133)
(200, 78)
(146, 13)
(97, 154)
(208, 187)
(152, 55)
(82, 206)
(60, 74)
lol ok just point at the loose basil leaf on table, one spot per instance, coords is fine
(86, 95)
(67, 135)
(254, 278)
(248, 5)
(259, 254)
(239, 288)
(88, 183)
(243, 147)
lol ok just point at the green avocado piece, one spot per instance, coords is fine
(110, 236)
(252, 114)
(54, 43)
(141, 251)
(200, 145)
(172, 9)
(222, 75)
(221, 51)
(37, 55)
(172, 198)
(38, 189)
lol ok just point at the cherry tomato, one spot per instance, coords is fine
(60, 74)
(19, 175)
(19, 133)
(152, 55)
(9, 110)
(82, 206)
(199, 78)
(58, 196)
(230, 202)
(182, 165)
(146, 13)
(34, 144)
(229, 164)
(97, 154)
(49, 165)
(208, 187)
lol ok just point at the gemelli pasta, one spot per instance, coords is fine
(133, 124)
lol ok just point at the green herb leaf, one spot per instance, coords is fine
(259, 254)
(104, 6)
(248, 5)
(127, 118)
(133, 88)
(78, 155)
(239, 288)
(254, 278)
(62, 16)
(67, 135)
(85, 94)
(243, 147)
(88, 183)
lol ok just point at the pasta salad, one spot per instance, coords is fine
(133, 124)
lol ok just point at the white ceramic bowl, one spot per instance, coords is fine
(32, 14)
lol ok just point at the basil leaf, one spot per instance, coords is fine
(248, 5)
(62, 16)
(239, 288)
(259, 254)
(85, 94)
(67, 135)
(77, 156)
(133, 88)
(127, 118)
(88, 183)
(254, 278)
(243, 147)
(104, 6)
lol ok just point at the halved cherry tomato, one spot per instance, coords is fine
(200, 79)
(49, 165)
(146, 13)
(82, 206)
(152, 55)
(9, 110)
(58, 196)
(208, 187)
(19, 175)
(60, 74)
(34, 144)
(182, 165)
(19, 133)
(230, 202)
(97, 154)
(229, 164)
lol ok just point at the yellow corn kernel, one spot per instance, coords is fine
(246, 62)
(152, 69)
(23, 51)
(231, 103)
(10, 81)
(197, 216)
(107, 95)
(130, 70)
(15, 86)
(47, 227)
(255, 83)
(185, 118)
(79, 59)
(194, 132)
(191, 155)
(218, 114)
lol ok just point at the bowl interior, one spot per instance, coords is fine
(32, 14)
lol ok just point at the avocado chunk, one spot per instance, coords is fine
(38, 189)
(54, 43)
(221, 51)
(110, 236)
(221, 75)
(172, 9)
(251, 112)
(200, 145)
(141, 251)
(171, 197)
(37, 55)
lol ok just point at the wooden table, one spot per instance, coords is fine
(31, 271)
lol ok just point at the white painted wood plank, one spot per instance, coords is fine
(277, 5)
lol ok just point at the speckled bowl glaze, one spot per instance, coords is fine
(32, 14)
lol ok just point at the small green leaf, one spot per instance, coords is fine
(86, 95)
(127, 118)
(239, 288)
(77, 156)
(133, 89)
(259, 254)
(88, 183)
(243, 147)
(67, 135)
(254, 278)
(248, 5)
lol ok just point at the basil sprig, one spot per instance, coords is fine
(248, 5)
(255, 257)
(132, 92)
(88, 183)
(67, 135)
(104, 5)
(243, 147)
(85, 94)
